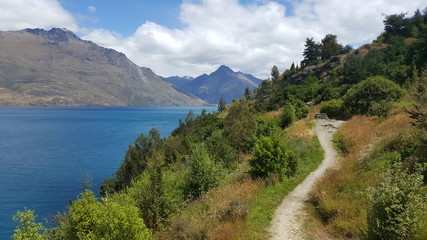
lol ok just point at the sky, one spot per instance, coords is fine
(192, 37)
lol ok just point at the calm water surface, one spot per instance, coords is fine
(46, 152)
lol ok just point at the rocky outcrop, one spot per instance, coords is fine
(321, 71)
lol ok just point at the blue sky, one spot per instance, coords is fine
(192, 37)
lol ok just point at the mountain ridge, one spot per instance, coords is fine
(223, 82)
(57, 68)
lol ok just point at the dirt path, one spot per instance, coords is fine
(286, 224)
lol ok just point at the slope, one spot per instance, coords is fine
(56, 68)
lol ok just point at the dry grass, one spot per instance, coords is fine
(338, 201)
(217, 215)
(301, 129)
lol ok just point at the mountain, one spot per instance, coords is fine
(224, 82)
(56, 68)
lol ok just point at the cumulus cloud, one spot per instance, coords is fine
(20, 14)
(250, 37)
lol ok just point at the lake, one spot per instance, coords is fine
(45, 152)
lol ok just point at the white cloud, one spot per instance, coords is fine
(91, 9)
(250, 38)
(20, 14)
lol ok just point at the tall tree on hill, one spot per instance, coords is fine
(311, 53)
(329, 47)
(275, 72)
(222, 105)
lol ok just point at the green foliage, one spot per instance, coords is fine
(288, 116)
(397, 205)
(311, 53)
(136, 159)
(365, 96)
(330, 47)
(238, 128)
(272, 156)
(275, 73)
(334, 108)
(220, 149)
(112, 218)
(222, 105)
(204, 174)
(27, 228)
(358, 68)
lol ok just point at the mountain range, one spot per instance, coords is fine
(57, 68)
(224, 82)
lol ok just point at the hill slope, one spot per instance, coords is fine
(56, 68)
(224, 82)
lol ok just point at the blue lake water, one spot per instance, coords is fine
(46, 152)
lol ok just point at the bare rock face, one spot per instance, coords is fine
(57, 68)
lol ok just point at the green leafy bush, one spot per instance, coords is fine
(111, 218)
(204, 173)
(288, 116)
(397, 205)
(272, 156)
(366, 95)
(334, 109)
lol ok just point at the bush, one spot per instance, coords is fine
(204, 173)
(397, 205)
(288, 116)
(112, 218)
(334, 108)
(364, 97)
(272, 156)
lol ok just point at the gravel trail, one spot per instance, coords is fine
(286, 223)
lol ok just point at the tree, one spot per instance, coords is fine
(330, 47)
(27, 228)
(247, 93)
(395, 23)
(222, 105)
(204, 173)
(190, 117)
(288, 116)
(152, 200)
(136, 157)
(239, 122)
(275, 72)
(272, 156)
(311, 53)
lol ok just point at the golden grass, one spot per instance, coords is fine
(222, 210)
(337, 200)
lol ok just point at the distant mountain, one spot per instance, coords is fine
(56, 68)
(224, 82)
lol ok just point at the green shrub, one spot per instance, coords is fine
(334, 109)
(397, 205)
(272, 156)
(366, 95)
(204, 173)
(112, 218)
(288, 116)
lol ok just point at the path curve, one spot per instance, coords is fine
(285, 224)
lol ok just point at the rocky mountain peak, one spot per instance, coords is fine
(55, 34)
